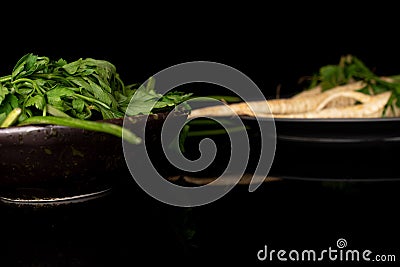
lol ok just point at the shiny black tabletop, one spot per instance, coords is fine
(127, 226)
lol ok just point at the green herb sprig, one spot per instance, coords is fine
(351, 69)
(75, 93)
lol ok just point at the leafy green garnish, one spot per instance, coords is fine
(352, 69)
(85, 89)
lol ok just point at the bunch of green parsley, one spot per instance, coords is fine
(350, 69)
(76, 94)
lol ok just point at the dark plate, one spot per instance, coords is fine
(60, 162)
(334, 149)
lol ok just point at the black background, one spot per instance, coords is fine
(274, 44)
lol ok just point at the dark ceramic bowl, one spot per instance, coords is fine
(342, 149)
(45, 163)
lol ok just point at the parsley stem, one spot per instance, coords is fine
(92, 100)
(52, 77)
(11, 118)
(5, 78)
(56, 112)
(34, 84)
(105, 127)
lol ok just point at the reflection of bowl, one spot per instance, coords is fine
(56, 161)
